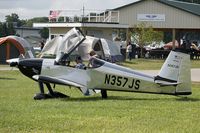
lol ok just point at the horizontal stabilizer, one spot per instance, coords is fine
(164, 83)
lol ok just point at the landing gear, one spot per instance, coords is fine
(51, 93)
(104, 94)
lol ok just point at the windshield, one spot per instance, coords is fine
(96, 62)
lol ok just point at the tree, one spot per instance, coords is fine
(13, 19)
(30, 22)
(44, 33)
(10, 29)
(145, 35)
(7, 28)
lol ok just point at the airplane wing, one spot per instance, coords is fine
(54, 80)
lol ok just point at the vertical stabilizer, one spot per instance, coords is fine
(176, 71)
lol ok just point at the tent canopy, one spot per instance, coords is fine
(21, 44)
(104, 48)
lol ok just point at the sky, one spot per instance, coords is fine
(27, 9)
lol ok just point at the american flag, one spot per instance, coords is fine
(54, 14)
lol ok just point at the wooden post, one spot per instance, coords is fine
(173, 38)
(128, 37)
(7, 51)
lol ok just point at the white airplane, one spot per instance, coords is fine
(174, 77)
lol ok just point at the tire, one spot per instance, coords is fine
(104, 94)
(41, 96)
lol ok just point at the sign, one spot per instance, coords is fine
(151, 17)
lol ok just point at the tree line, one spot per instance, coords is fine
(12, 21)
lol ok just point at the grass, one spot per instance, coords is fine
(121, 112)
(142, 64)
(148, 64)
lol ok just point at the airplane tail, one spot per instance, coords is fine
(176, 72)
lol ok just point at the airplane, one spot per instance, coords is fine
(174, 77)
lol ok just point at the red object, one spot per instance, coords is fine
(54, 14)
(8, 41)
(170, 45)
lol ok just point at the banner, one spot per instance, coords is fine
(151, 17)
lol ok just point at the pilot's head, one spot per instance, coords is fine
(78, 59)
(92, 53)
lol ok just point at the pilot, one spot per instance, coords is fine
(79, 64)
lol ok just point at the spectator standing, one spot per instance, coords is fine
(129, 51)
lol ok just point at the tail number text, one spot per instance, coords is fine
(122, 81)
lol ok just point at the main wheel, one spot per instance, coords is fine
(104, 94)
(41, 96)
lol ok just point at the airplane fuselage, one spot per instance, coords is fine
(104, 76)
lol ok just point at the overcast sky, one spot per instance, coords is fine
(36, 8)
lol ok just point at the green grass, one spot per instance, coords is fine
(142, 64)
(149, 64)
(122, 112)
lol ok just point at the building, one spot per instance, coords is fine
(27, 31)
(166, 15)
(177, 18)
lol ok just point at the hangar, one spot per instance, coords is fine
(173, 17)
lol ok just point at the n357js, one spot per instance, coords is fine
(174, 77)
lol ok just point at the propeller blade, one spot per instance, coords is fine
(13, 62)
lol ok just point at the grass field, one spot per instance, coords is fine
(147, 64)
(144, 64)
(122, 112)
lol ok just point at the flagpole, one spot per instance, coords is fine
(83, 18)
(83, 13)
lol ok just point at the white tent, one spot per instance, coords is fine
(106, 49)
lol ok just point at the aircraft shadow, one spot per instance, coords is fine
(188, 99)
(4, 78)
(109, 98)
(85, 99)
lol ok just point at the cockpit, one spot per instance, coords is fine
(96, 62)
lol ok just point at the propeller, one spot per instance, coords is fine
(13, 62)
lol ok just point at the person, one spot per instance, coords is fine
(92, 54)
(129, 51)
(41, 45)
(79, 64)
